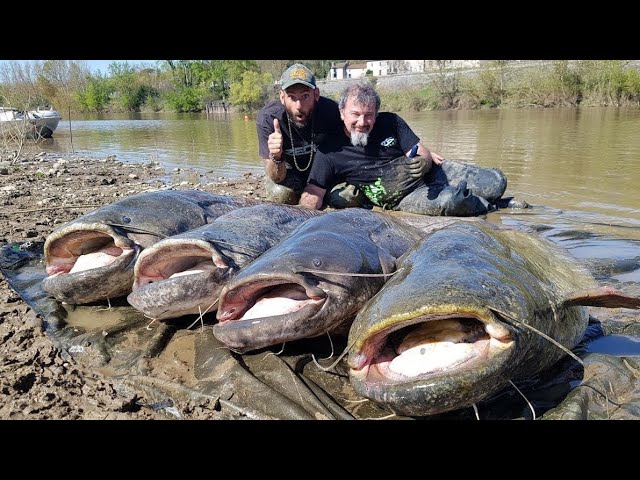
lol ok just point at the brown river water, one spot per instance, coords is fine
(578, 168)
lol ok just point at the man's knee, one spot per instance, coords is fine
(456, 201)
(489, 183)
(280, 193)
(344, 195)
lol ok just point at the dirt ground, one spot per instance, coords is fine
(36, 195)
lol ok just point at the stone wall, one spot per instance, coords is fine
(385, 82)
(333, 88)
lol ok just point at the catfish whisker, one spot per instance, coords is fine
(224, 347)
(545, 336)
(525, 399)
(326, 369)
(152, 320)
(332, 351)
(347, 274)
(276, 353)
(240, 247)
(391, 415)
(132, 229)
(103, 309)
(202, 315)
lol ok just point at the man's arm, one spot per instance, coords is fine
(274, 165)
(270, 147)
(312, 197)
(275, 171)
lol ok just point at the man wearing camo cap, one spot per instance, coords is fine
(289, 131)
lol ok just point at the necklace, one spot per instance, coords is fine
(293, 145)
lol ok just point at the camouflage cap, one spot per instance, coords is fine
(297, 73)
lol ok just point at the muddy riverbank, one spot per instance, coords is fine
(37, 194)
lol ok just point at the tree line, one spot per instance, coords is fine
(246, 85)
(164, 85)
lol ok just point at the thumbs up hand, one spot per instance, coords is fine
(275, 141)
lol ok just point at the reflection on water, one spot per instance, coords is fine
(617, 345)
(226, 144)
(580, 168)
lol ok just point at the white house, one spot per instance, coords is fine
(356, 70)
(378, 67)
(415, 66)
(338, 71)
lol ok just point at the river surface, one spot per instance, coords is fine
(578, 168)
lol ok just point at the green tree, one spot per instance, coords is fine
(251, 91)
(184, 99)
(95, 97)
(128, 92)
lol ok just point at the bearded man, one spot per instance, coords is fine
(290, 131)
(372, 152)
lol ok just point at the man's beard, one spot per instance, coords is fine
(298, 124)
(359, 139)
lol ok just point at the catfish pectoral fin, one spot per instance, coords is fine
(607, 297)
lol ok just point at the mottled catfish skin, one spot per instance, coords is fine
(184, 274)
(446, 331)
(278, 298)
(92, 258)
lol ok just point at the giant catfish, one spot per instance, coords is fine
(184, 274)
(315, 280)
(92, 257)
(456, 322)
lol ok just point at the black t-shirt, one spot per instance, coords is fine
(379, 169)
(326, 121)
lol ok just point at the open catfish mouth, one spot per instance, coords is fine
(291, 299)
(80, 249)
(176, 259)
(429, 346)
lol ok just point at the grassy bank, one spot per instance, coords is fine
(500, 84)
(187, 86)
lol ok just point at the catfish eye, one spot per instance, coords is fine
(317, 262)
(126, 219)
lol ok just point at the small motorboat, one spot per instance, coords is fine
(47, 120)
(38, 123)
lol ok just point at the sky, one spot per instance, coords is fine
(103, 65)
(95, 65)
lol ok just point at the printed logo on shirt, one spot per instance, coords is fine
(298, 150)
(389, 142)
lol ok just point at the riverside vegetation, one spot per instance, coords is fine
(246, 85)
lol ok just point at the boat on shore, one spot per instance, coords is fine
(38, 123)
